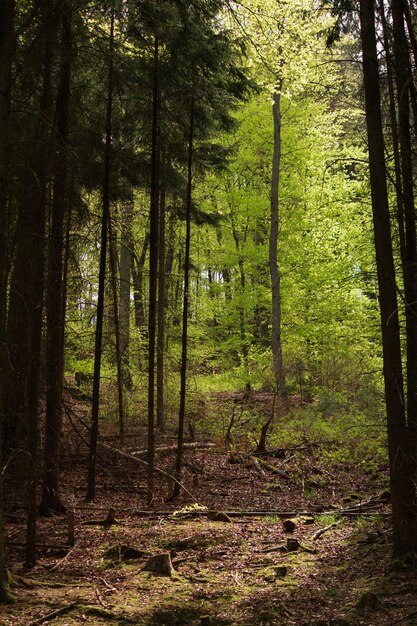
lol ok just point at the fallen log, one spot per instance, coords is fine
(195, 445)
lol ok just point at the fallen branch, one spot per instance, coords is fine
(126, 455)
(188, 446)
(404, 618)
(280, 514)
(321, 531)
(61, 561)
(53, 614)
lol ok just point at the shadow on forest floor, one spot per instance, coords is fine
(237, 572)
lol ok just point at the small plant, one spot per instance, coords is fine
(189, 511)
(327, 518)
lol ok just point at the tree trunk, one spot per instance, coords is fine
(401, 454)
(162, 302)
(403, 81)
(92, 461)
(51, 501)
(153, 272)
(273, 249)
(183, 384)
(119, 366)
(7, 49)
(124, 306)
(138, 265)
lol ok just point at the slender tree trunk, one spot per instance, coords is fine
(241, 310)
(138, 265)
(153, 273)
(160, 370)
(404, 80)
(394, 134)
(92, 461)
(273, 249)
(51, 501)
(119, 366)
(402, 465)
(186, 302)
(124, 307)
(7, 49)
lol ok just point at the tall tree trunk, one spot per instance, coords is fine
(273, 248)
(124, 306)
(7, 49)
(153, 273)
(92, 460)
(24, 324)
(185, 309)
(51, 501)
(162, 302)
(138, 264)
(403, 81)
(119, 366)
(401, 454)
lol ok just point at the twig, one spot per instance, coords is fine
(321, 531)
(100, 599)
(48, 616)
(69, 411)
(106, 584)
(405, 617)
(157, 469)
(61, 561)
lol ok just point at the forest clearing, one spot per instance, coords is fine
(208, 312)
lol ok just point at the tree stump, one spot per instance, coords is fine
(289, 525)
(160, 565)
(293, 545)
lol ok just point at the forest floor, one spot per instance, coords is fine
(235, 570)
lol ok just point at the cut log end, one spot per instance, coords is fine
(160, 565)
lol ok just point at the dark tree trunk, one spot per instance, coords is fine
(7, 49)
(138, 265)
(162, 302)
(24, 325)
(401, 454)
(119, 366)
(404, 81)
(92, 460)
(51, 501)
(186, 302)
(273, 249)
(124, 306)
(153, 273)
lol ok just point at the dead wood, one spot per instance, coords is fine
(404, 618)
(61, 561)
(160, 565)
(106, 523)
(53, 614)
(293, 545)
(321, 531)
(258, 467)
(218, 516)
(126, 455)
(195, 445)
(271, 468)
(289, 525)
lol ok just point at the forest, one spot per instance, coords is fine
(208, 312)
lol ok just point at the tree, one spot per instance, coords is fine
(92, 460)
(51, 502)
(401, 440)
